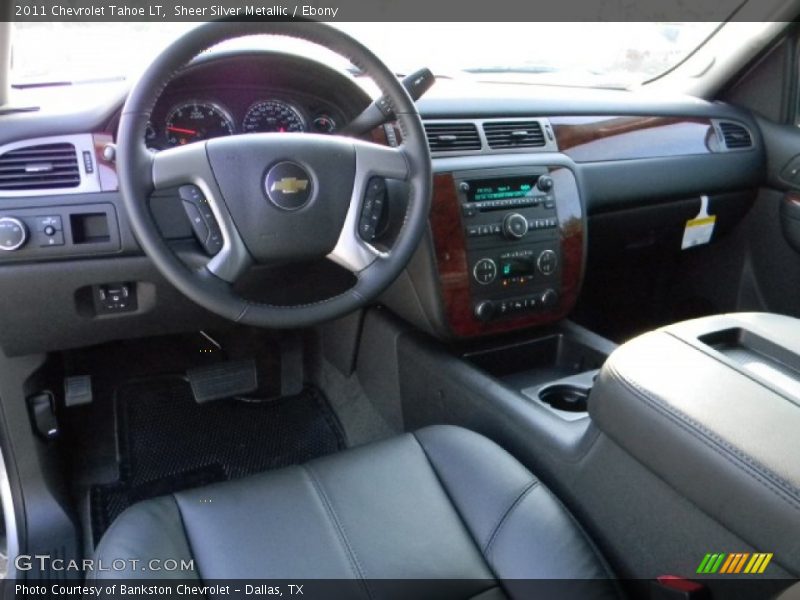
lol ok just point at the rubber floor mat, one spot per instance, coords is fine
(168, 443)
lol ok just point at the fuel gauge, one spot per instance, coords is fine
(323, 124)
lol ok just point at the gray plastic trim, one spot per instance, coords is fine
(352, 252)
(189, 164)
(9, 518)
(83, 142)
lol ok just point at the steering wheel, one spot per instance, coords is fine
(276, 197)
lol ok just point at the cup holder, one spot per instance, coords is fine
(566, 397)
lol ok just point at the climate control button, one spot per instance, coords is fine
(549, 298)
(485, 271)
(13, 234)
(484, 310)
(547, 262)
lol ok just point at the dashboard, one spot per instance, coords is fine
(522, 175)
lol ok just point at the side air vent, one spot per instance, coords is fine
(735, 135)
(452, 137)
(514, 134)
(41, 167)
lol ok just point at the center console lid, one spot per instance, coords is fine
(712, 406)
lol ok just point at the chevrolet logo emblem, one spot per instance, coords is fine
(289, 185)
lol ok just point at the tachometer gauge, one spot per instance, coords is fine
(195, 121)
(273, 115)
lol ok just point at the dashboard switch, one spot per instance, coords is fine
(13, 234)
(51, 237)
(545, 183)
(547, 262)
(515, 226)
(484, 310)
(549, 298)
(112, 298)
(52, 222)
(485, 271)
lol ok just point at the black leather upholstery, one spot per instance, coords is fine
(443, 503)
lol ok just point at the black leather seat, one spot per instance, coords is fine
(443, 503)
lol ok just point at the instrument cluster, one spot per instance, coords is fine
(202, 118)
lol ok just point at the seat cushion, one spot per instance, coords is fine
(442, 503)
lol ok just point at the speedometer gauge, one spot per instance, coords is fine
(273, 115)
(195, 121)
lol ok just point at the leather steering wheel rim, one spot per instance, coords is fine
(140, 171)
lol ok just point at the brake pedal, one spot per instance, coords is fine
(223, 380)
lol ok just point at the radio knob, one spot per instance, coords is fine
(13, 234)
(515, 226)
(549, 298)
(544, 183)
(484, 310)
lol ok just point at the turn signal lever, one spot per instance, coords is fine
(416, 84)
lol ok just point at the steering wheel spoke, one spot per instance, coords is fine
(374, 163)
(188, 167)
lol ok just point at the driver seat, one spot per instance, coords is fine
(441, 503)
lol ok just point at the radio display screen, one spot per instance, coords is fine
(503, 188)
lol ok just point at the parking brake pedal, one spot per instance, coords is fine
(223, 380)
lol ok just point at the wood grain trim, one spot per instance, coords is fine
(586, 139)
(451, 258)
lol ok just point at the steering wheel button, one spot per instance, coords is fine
(196, 219)
(191, 193)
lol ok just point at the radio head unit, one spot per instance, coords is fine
(510, 246)
(511, 228)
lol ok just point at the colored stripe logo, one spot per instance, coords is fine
(734, 563)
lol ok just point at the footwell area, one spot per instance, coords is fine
(167, 442)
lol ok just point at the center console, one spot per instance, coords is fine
(509, 247)
(712, 407)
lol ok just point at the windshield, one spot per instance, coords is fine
(586, 54)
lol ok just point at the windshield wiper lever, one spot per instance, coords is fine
(416, 84)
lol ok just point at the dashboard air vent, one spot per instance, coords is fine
(452, 137)
(45, 166)
(514, 134)
(735, 135)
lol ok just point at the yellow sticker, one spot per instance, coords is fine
(698, 231)
(704, 221)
